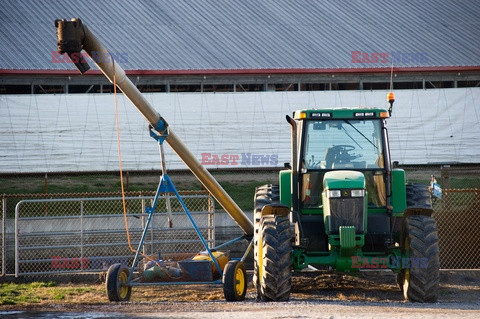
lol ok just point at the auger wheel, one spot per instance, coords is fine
(234, 281)
(117, 283)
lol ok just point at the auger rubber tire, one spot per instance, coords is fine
(234, 281)
(115, 284)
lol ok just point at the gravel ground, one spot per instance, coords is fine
(315, 295)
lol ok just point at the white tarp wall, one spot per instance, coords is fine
(76, 132)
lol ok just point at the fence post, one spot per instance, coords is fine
(211, 220)
(4, 237)
(81, 229)
(151, 230)
(143, 218)
(445, 174)
(17, 209)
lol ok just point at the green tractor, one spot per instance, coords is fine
(340, 204)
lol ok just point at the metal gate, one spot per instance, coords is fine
(87, 235)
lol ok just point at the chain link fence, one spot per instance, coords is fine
(87, 235)
(457, 215)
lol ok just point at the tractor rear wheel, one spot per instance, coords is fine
(273, 258)
(264, 195)
(420, 280)
(418, 196)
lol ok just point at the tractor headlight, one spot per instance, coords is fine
(334, 193)
(358, 192)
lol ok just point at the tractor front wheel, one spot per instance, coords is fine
(273, 258)
(419, 281)
(268, 194)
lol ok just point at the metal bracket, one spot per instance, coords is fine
(159, 136)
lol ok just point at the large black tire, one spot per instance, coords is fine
(418, 196)
(273, 259)
(234, 281)
(420, 283)
(116, 283)
(264, 195)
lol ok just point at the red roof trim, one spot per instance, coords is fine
(249, 71)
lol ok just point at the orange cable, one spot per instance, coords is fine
(117, 126)
(124, 202)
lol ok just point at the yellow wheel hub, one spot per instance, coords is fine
(406, 279)
(122, 287)
(239, 282)
(260, 259)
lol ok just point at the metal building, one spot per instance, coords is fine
(265, 58)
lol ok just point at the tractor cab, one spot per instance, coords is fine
(342, 177)
(342, 141)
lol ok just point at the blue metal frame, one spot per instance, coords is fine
(166, 186)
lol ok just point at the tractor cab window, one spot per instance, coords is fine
(343, 144)
(339, 144)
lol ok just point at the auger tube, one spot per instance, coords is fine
(73, 36)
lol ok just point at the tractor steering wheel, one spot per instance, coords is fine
(338, 154)
(344, 148)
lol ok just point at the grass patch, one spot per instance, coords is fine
(46, 292)
(465, 183)
(239, 185)
(19, 294)
(242, 193)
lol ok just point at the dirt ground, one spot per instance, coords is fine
(315, 295)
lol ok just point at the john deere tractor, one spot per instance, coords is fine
(341, 205)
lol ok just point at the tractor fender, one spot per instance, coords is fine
(283, 211)
(275, 210)
(415, 211)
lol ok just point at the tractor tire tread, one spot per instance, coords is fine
(276, 282)
(264, 195)
(424, 281)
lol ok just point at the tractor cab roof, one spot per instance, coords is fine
(342, 113)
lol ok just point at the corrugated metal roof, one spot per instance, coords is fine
(248, 34)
